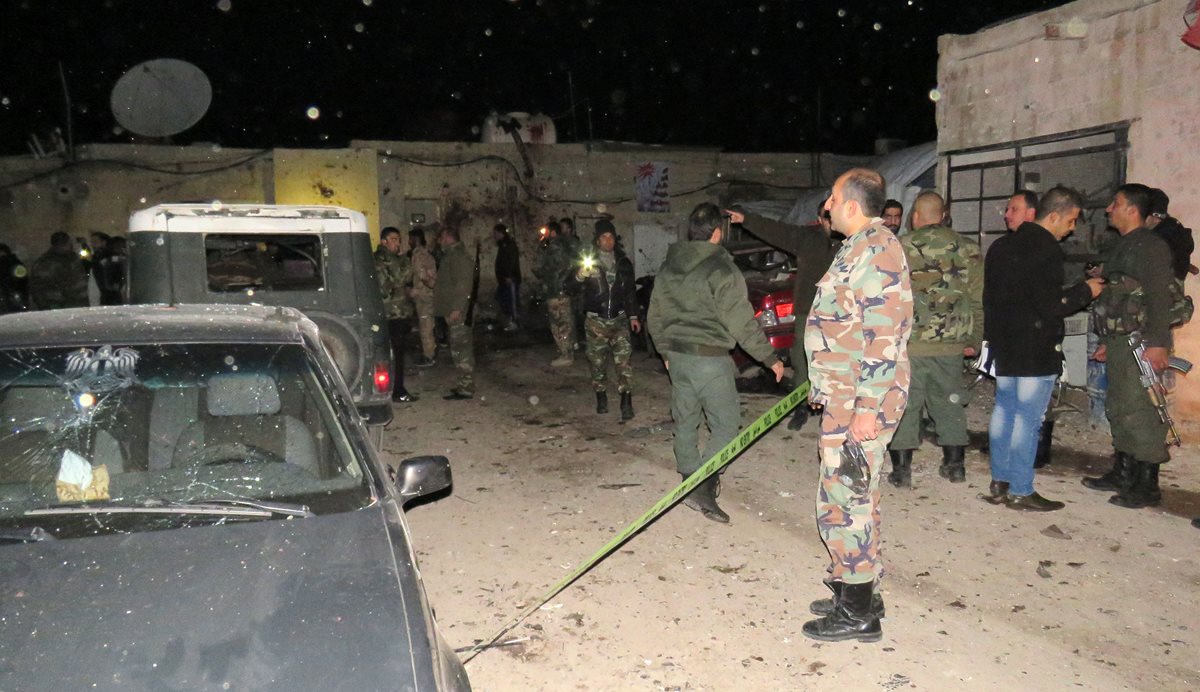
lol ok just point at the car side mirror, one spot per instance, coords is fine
(422, 477)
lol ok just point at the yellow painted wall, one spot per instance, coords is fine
(341, 177)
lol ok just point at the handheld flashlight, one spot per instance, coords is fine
(588, 263)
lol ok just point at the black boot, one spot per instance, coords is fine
(1045, 437)
(601, 402)
(626, 405)
(799, 417)
(901, 475)
(953, 468)
(997, 493)
(1116, 479)
(703, 499)
(825, 606)
(851, 618)
(1143, 492)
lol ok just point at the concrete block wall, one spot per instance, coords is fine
(108, 182)
(1010, 83)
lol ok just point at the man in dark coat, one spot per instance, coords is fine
(58, 278)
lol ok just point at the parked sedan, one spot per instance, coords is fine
(189, 500)
(770, 275)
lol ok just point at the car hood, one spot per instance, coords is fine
(328, 602)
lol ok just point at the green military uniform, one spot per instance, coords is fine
(698, 312)
(857, 340)
(947, 286)
(1136, 297)
(554, 265)
(453, 295)
(58, 279)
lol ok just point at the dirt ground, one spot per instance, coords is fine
(978, 596)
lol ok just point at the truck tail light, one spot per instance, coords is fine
(383, 378)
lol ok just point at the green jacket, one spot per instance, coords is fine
(1137, 290)
(947, 285)
(455, 275)
(699, 305)
(58, 280)
(395, 276)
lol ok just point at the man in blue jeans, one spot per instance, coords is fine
(1024, 304)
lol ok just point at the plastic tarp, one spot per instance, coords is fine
(900, 169)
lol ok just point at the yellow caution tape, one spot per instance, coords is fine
(719, 460)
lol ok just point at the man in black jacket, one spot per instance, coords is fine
(608, 296)
(1024, 304)
(508, 275)
(813, 249)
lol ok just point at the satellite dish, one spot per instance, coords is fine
(160, 98)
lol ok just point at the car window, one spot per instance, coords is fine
(265, 261)
(184, 423)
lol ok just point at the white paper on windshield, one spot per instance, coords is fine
(75, 470)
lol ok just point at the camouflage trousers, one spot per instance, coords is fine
(424, 305)
(936, 386)
(604, 337)
(849, 522)
(462, 352)
(562, 325)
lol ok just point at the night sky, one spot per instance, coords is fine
(771, 75)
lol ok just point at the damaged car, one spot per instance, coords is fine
(189, 500)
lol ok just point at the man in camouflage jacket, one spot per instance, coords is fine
(394, 273)
(555, 264)
(857, 343)
(58, 278)
(424, 268)
(947, 285)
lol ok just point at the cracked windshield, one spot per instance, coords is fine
(115, 438)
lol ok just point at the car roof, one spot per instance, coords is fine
(155, 324)
(277, 218)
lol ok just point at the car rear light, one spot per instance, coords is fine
(766, 317)
(383, 378)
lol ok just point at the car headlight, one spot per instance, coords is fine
(766, 318)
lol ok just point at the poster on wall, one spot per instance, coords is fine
(651, 187)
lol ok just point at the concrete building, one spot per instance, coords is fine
(1091, 94)
(470, 185)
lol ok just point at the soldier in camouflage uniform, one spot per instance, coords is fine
(609, 298)
(424, 268)
(947, 284)
(1136, 297)
(857, 343)
(394, 272)
(58, 278)
(451, 298)
(554, 266)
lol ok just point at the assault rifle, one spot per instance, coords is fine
(469, 318)
(1153, 383)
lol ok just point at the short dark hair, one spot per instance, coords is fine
(821, 204)
(866, 187)
(1058, 199)
(889, 203)
(1138, 195)
(553, 227)
(1031, 198)
(416, 236)
(60, 239)
(501, 228)
(388, 232)
(567, 221)
(703, 220)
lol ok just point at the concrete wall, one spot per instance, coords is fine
(1011, 83)
(108, 182)
(470, 185)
